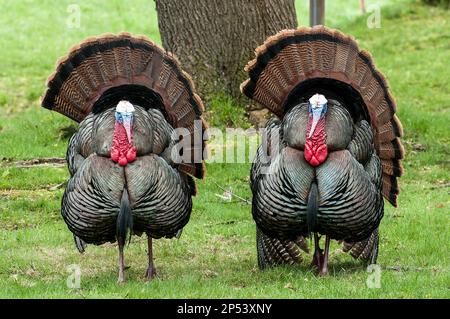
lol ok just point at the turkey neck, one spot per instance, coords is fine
(316, 150)
(122, 150)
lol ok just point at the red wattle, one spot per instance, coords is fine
(131, 154)
(308, 150)
(322, 153)
(122, 151)
(115, 155)
(123, 161)
(316, 151)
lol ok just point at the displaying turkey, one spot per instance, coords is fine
(338, 151)
(128, 173)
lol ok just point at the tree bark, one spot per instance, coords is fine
(214, 39)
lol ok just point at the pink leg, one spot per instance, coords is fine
(318, 253)
(121, 265)
(323, 271)
(151, 270)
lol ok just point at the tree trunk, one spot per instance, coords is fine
(214, 39)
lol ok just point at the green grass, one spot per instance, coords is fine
(216, 257)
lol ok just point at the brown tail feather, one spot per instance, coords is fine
(392, 149)
(390, 189)
(366, 250)
(392, 167)
(293, 59)
(390, 130)
(110, 67)
(272, 251)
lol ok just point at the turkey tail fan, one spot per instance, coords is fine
(101, 71)
(272, 251)
(292, 64)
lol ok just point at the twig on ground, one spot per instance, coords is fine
(444, 185)
(57, 186)
(407, 268)
(232, 194)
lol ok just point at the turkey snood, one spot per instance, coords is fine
(122, 150)
(316, 150)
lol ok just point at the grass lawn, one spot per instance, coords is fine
(216, 255)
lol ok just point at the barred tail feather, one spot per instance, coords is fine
(101, 71)
(366, 250)
(272, 251)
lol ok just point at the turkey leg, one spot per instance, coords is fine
(121, 264)
(151, 270)
(318, 253)
(323, 270)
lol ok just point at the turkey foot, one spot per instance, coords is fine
(151, 273)
(151, 270)
(121, 265)
(323, 270)
(318, 256)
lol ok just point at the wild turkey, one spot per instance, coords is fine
(127, 175)
(338, 151)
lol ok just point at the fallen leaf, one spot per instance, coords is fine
(289, 286)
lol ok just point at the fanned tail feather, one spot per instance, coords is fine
(100, 71)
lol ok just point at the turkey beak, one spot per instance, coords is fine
(127, 124)
(316, 113)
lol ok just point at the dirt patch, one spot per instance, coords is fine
(35, 162)
(15, 225)
(12, 194)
